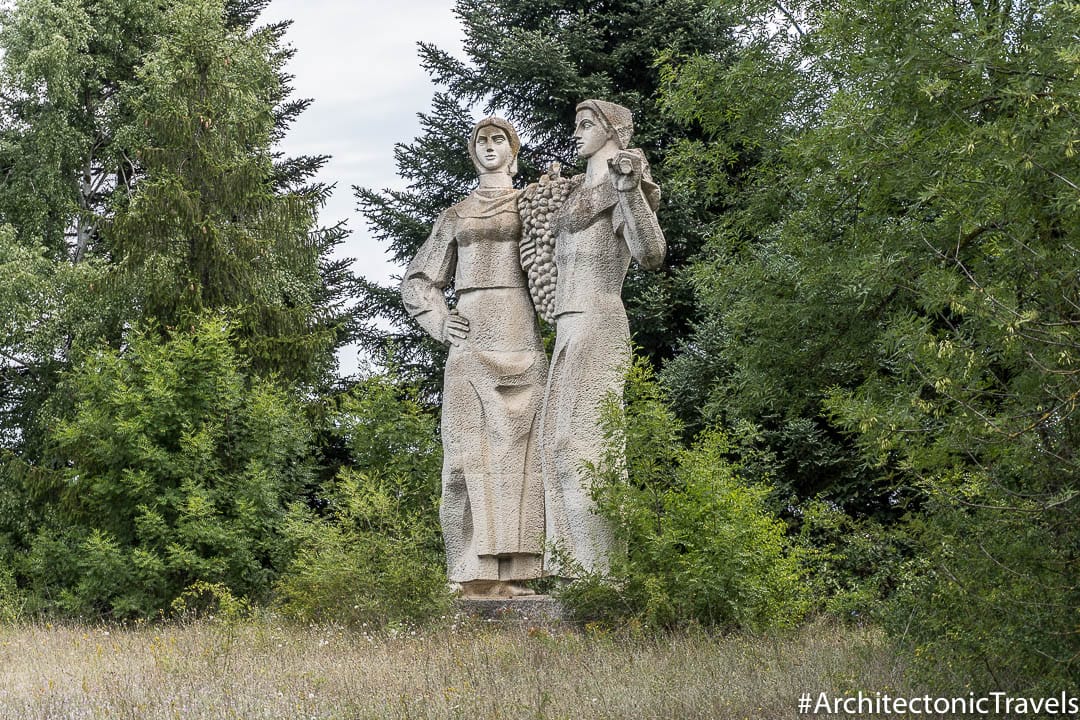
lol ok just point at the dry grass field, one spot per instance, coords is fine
(262, 668)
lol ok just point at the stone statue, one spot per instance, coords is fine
(596, 222)
(492, 510)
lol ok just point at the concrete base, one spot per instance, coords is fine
(537, 609)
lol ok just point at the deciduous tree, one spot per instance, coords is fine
(904, 271)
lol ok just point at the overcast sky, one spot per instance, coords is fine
(357, 59)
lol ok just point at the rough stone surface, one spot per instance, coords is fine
(532, 609)
(599, 221)
(492, 509)
(515, 443)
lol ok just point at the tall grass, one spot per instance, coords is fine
(263, 669)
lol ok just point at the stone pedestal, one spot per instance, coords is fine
(528, 609)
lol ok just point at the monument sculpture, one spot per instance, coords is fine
(580, 235)
(492, 511)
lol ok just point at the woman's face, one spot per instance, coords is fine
(493, 149)
(589, 133)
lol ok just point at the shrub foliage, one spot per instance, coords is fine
(376, 555)
(701, 545)
(174, 466)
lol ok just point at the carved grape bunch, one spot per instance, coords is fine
(539, 205)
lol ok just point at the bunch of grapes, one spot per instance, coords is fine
(539, 205)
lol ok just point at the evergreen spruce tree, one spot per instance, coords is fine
(145, 215)
(533, 63)
(91, 137)
(205, 228)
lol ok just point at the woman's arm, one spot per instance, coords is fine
(428, 274)
(636, 220)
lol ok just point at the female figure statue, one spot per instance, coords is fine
(492, 509)
(608, 217)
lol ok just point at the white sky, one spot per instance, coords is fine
(357, 59)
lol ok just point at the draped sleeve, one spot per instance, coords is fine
(428, 274)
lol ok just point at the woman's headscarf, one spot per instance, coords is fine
(618, 120)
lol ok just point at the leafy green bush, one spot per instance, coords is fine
(212, 601)
(12, 601)
(992, 601)
(850, 565)
(176, 467)
(377, 556)
(701, 546)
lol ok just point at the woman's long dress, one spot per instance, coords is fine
(588, 365)
(492, 510)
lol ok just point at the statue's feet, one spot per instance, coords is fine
(513, 589)
(479, 588)
(494, 589)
